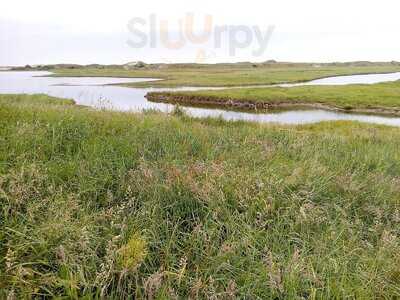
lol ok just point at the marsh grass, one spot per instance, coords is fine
(121, 205)
(177, 75)
(347, 97)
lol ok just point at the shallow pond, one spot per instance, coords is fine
(350, 79)
(97, 92)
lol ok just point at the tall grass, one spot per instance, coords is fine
(119, 205)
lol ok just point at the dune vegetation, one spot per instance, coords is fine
(149, 205)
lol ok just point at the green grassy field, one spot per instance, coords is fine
(121, 205)
(230, 74)
(384, 96)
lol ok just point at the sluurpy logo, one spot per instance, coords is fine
(154, 33)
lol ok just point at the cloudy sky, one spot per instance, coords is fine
(44, 31)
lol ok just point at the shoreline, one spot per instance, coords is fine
(173, 98)
(165, 79)
(145, 84)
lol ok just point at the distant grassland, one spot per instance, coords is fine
(382, 97)
(121, 205)
(230, 74)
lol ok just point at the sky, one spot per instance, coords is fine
(120, 31)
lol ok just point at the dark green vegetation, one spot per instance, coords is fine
(225, 74)
(149, 205)
(377, 97)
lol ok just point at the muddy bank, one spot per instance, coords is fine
(240, 104)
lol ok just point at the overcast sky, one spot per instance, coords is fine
(44, 31)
